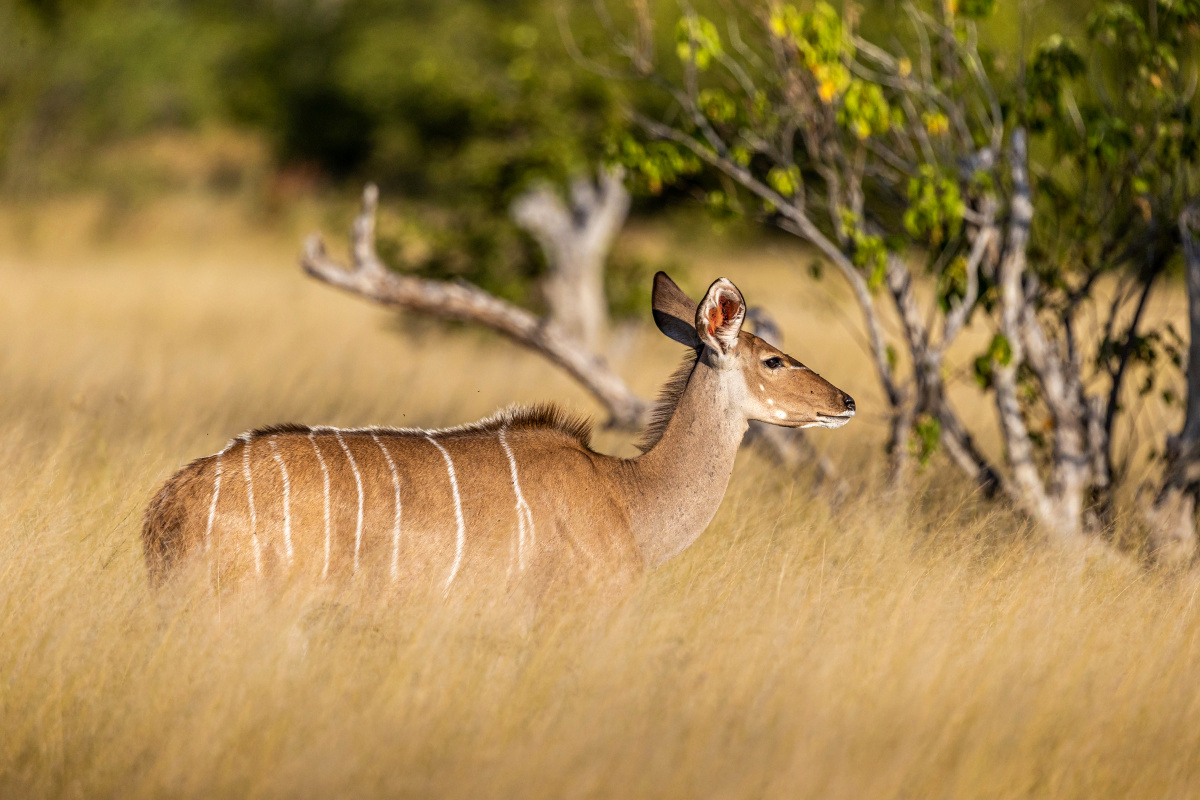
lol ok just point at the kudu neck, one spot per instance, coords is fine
(678, 485)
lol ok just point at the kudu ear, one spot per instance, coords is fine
(674, 311)
(719, 318)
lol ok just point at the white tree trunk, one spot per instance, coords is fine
(576, 241)
(1058, 509)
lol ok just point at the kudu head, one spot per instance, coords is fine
(772, 386)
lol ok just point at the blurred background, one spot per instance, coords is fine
(977, 217)
(453, 108)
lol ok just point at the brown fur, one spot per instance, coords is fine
(176, 520)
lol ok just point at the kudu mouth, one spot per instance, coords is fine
(834, 420)
(839, 419)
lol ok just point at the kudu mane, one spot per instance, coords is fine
(543, 416)
(668, 399)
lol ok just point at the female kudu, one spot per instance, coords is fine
(518, 494)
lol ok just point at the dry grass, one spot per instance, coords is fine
(919, 649)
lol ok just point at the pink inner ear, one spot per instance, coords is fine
(729, 307)
(721, 312)
(714, 319)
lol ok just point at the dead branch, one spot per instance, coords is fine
(370, 279)
(985, 239)
(576, 240)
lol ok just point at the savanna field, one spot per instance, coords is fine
(927, 645)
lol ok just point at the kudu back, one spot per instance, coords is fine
(519, 496)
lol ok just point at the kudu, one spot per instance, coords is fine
(520, 495)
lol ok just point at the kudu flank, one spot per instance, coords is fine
(520, 495)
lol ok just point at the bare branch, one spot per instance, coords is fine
(968, 52)
(1127, 348)
(931, 393)
(576, 241)
(1031, 492)
(985, 239)
(572, 48)
(735, 39)
(963, 451)
(369, 279)
(899, 281)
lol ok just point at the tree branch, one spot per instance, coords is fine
(1031, 492)
(984, 242)
(576, 240)
(370, 279)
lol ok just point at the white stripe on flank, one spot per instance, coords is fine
(358, 481)
(250, 498)
(212, 508)
(396, 524)
(524, 514)
(287, 500)
(460, 541)
(324, 471)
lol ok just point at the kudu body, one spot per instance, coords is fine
(518, 496)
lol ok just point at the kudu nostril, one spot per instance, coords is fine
(849, 402)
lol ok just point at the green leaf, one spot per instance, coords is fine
(786, 181)
(983, 371)
(928, 433)
(977, 9)
(936, 207)
(717, 105)
(697, 41)
(1000, 350)
(878, 275)
(864, 110)
(1055, 62)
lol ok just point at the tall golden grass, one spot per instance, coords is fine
(920, 647)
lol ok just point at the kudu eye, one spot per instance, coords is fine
(774, 362)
